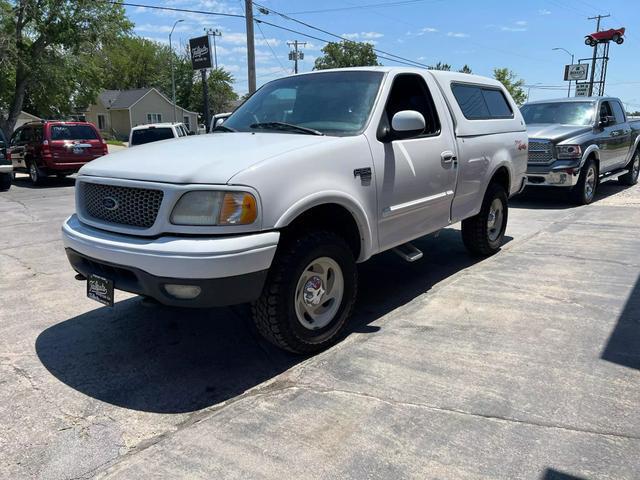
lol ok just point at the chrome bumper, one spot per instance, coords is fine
(567, 177)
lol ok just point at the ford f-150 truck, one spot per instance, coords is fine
(311, 175)
(580, 142)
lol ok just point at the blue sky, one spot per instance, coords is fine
(485, 34)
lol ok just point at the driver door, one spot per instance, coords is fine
(416, 176)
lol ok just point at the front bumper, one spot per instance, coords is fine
(229, 269)
(562, 176)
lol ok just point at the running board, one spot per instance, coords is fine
(408, 252)
(613, 176)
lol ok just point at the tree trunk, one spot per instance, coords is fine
(9, 123)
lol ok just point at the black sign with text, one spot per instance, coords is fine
(200, 52)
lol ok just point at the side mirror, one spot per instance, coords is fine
(606, 120)
(220, 121)
(407, 123)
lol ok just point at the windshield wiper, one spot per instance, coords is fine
(286, 127)
(223, 128)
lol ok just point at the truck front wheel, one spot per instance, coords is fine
(483, 233)
(309, 294)
(585, 190)
(631, 178)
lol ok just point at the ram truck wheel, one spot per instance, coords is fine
(309, 293)
(483, 233)
(585, 190)
(631, 178)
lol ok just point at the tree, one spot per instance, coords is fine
(221, 94)
(49, 50)
(465, 69)
(441, 66)
(512, 83)
(346, 54)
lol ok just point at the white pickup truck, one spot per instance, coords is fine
(311, 175)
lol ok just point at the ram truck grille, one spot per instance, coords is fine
(540, 152)
(137, 207)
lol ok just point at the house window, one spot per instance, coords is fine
(102, 122)
(187, 122)
(154, 118)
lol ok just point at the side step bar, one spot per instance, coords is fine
(408, 252)
(613, 175)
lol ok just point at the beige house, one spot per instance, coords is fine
(117, 111)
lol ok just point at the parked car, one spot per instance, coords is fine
(218, 119)
(317, 172)
(54, 148)
(613, 35)
(6, 170)
(154, 132)
(581, 142)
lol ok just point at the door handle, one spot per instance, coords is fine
(448, 156)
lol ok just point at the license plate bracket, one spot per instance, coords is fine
(100, 289)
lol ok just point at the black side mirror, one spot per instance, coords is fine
(606, 120)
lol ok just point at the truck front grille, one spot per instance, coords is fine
(540, 152)
(137, 207)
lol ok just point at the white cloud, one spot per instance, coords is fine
(513, 29)
(363, 35)
(457, 34)
(521, 23)
(544, 11)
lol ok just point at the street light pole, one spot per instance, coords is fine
(572, 60)
(173, 76)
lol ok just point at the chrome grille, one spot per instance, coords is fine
(137, 207)
(540, 152)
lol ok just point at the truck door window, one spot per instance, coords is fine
(605, 110)
(618, 112)
(410, 92)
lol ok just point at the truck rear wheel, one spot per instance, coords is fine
(309, 293)
(483, 234)
(585, 190)
(631, 178)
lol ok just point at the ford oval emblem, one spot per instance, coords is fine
(110, 203)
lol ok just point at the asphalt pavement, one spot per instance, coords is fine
(523, 365)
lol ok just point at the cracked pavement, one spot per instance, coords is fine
(524, 365)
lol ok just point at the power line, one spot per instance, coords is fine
(264, 9)
(174, 9)
(272, 50)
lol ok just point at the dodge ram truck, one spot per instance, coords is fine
(578, 143)
(311, 175)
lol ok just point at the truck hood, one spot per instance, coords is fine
(210, 159)
(554, 132)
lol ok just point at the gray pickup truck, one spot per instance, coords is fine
(580, 142)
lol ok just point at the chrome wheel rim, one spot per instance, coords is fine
(636, 166)
(33, 172)
(590, 183)
(319, 293)
(495, 219)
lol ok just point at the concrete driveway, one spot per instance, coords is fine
(524, 365)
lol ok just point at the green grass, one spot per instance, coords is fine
(115, 142)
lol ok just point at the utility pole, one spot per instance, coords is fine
(251, 47)
(595, 52)
(205, 93)
(295, 55)
(215, 33)
(173, 75)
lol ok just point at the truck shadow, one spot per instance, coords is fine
(623, 346)
(542, 198)
(168, 360)
(22, 180)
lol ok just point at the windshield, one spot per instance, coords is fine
(332, 103)
(569, 113)
(148, 135)
(73, 132)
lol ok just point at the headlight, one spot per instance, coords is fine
(569, 151)
(206, 207)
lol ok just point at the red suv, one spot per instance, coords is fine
(54, 148)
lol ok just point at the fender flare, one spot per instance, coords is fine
(342, 199)
(587, 153)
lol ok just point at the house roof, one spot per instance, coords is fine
(122, 98)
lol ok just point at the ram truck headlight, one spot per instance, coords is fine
(568, 151)
(210, 207)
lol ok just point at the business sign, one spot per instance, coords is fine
(200, 52)
(582, 89)
(576, 72)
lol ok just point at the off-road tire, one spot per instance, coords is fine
(274, 312)
(631, 178)
(5, 181)
(475, 230)
(36, 175)
(579, 194)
